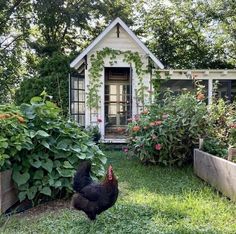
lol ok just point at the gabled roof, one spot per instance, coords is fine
(78, 61)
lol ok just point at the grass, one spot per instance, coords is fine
(152, 199)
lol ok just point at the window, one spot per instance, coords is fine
(77, 98)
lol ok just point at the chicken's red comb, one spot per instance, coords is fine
(110, 172)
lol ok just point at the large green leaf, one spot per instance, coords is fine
(38, 175)
(36, 163)
(76, 148)
(67, 165)
(81, 156)
(103, 159)
(58, 184)
(22, 195)
(20, 178)
(36, 100)
(48, 165)
(42, 133)
(66, 172)
(32, 192)
(46, 190)
(45, 144)
(64, 144)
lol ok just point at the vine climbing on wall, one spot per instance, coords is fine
(95, 72)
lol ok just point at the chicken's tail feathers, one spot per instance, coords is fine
(82, 176)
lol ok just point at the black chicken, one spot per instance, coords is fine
(91, 197)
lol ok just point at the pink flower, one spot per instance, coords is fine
(99, 120)
(130, 120)
(136, 118)
(158, 146)
(125, 149)
(165, 116)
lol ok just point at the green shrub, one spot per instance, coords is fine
(221, 134)
(47, 156)
(13, 135)
(169, 130)
(215, 147)
(52, 75)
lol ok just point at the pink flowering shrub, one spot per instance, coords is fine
(168, 131)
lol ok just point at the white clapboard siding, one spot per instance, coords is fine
(124, 42)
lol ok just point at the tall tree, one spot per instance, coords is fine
(13, 30)
(181, 35)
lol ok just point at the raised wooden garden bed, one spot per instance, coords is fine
(8, 193)
(218, 172)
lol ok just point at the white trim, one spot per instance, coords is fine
(210, 91)
(75, 63)
(113, 140)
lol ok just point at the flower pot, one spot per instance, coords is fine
(218, 172)
(8, 192)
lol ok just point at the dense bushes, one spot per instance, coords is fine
(167, 132)
(13, 135)
(55, 148)
(53, 75)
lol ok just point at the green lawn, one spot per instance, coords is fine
(152, 200)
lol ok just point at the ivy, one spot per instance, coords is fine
(95, 71)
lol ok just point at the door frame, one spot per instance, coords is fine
(129, 82)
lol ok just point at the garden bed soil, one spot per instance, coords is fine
(8, 192)
(218, 172)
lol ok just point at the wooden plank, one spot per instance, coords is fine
(232, 154)
(8, 193)
(218, 172)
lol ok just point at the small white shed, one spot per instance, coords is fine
(112, 81)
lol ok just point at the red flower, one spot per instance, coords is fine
(136, 128)
(136, 118)
(145, 112)
(158, 122)
(158, 146)
(233, 125)
(99, 120)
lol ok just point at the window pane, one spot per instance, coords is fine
(74, 96)
(81, 84)
(74, 108)
(81, 108)
(75, 118)
(81, 96)
(82, 120)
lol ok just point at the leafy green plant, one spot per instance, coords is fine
(94, 133)
(167, 132)
(215, 147)
(58, 146)
(13, 135)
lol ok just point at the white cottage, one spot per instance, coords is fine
(112, 83)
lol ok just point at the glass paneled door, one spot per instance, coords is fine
(117, 102)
